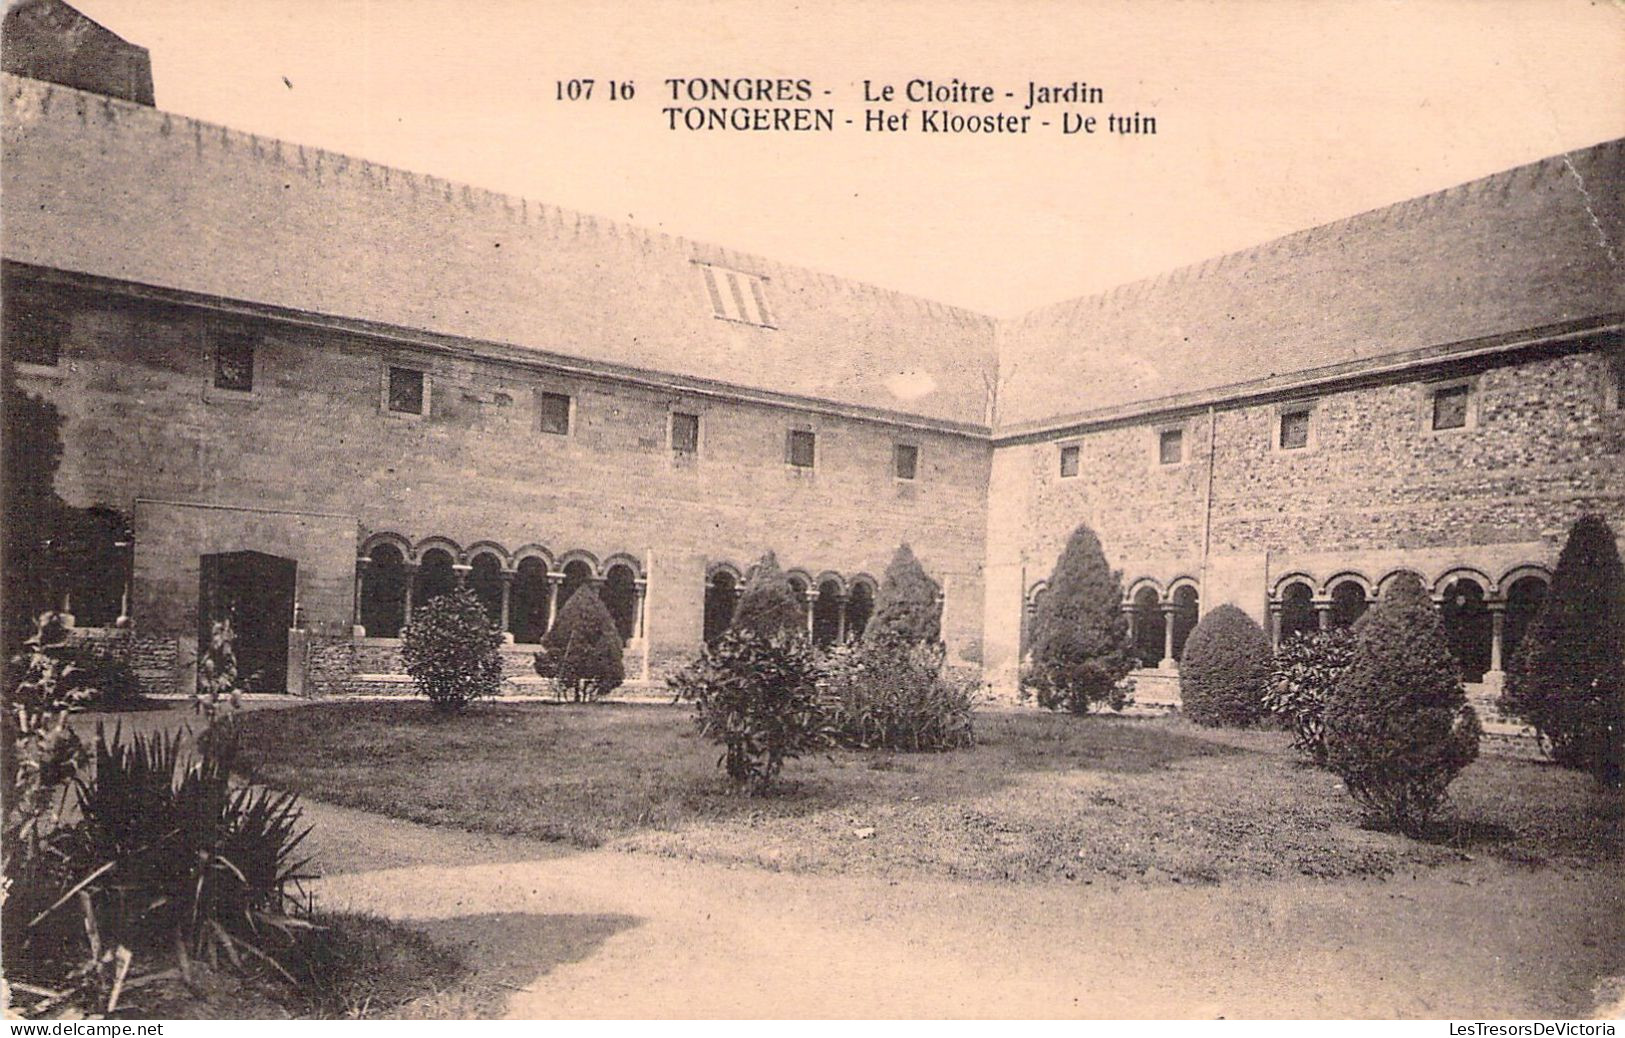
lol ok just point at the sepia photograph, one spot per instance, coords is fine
(707, 510)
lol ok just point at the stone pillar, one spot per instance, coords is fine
(1498, 616)
(640, 592)
(1275, 624)
(1133, 616)
(553, 582)
(127, 561)
(462, 569)
(812, 597)
(840, 618)
(1169, 611)
(507, 597)
(411, 569)
(1323, 613)
(356, 630)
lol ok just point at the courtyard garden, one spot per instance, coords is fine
(1042, 797)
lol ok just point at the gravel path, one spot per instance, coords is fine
(611, 934)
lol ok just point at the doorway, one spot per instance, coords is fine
(256, 591)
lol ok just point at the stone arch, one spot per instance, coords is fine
(528, 612)
(1464, 609)
(533, 551)
(485, 579)
(829, 610)
(1524, 590)
(1132, 592)
(504, 559)
(860, 604)
(733, 572)
(445, 544)
(1146, 621)
(1295, 608)
(1346, 575)
(621, 558)
(1455, 573)
(723, 583)
(1295, 577)
(401, 544)
(575, 555)
(1388, 579)
(1350, 597)
(621, 597)
(384, 580)
(435, 575)
(1528, 569)
(1185, 597)
(579, 569)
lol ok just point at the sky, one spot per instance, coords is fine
(1272, 116)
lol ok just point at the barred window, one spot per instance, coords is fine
(234, 362)
(1294, 430)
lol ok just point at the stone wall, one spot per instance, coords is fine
(310, 462)
(1376, 489)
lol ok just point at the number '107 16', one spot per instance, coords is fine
(581, 89)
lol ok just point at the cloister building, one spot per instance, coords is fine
(315, 392)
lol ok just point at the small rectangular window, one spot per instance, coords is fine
(1450, 407)
(905, 460)
(234, 362)
(1294, 430)
(685, 433)
(554, 410)
(406, 391)
(1171, 446)
(802, 448)
(1069, 462)
(33, 337)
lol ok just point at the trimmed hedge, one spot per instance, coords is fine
(1225, 670)
(768, 606)
(1080, 654)
(582, 653)
(1567, 678)
(1398, 726)
(908, 608)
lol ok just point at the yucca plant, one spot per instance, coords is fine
(193, 861)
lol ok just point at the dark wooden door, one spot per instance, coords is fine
(256, 592)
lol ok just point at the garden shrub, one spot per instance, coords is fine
(1080, 652)
(1398, 727)
(39, 754)
(217, 671)
(768, 605)
(1305, 669)
(897, 697)
(582, 653)
(908, 606)
(195, 864)
(1224, 670)
(758, 696)
(452, 650)
(1567, 678)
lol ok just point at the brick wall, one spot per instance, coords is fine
(1376, 490)
(312, 443)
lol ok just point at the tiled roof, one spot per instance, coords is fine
(1536, 246)
(102, 187)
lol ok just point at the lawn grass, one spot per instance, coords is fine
(1041, 797)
